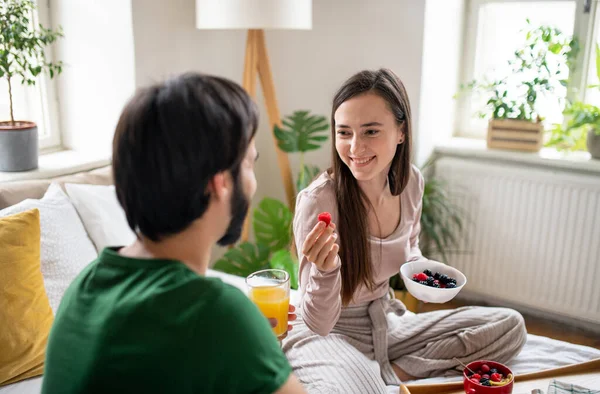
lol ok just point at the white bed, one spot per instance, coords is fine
(539, 352)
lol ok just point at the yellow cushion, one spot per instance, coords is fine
(25, 314)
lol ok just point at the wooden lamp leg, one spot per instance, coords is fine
(257, 61)
(268, 87)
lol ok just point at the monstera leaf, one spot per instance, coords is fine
(283, 260)
(272, 224)
(302, 132)
(307, 174)
(244, 259)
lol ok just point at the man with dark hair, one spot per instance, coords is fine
(144, 318)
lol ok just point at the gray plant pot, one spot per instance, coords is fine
(18, 146)
(593, 144)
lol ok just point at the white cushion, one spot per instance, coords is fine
(65, 246)
(101, 214)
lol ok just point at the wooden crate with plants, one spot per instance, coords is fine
(537, 73)
(514, 134)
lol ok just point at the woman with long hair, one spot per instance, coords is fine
(352, 336)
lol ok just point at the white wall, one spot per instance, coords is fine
(308, 66)
(442, 49)
(99, 73)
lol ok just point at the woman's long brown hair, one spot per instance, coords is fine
(353, 225)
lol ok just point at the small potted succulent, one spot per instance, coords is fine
(22, 58)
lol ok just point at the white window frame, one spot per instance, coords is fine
(46, 90)
(584, 29)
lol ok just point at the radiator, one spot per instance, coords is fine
(531, 236)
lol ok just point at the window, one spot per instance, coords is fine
(495, 28)
(35, 103)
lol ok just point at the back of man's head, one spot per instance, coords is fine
(171, 140)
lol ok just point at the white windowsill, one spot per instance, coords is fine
(550, 158)
(59, 163)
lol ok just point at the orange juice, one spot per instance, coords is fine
(273, 302)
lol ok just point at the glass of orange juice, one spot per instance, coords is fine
(270, 290)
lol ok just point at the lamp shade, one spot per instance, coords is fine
(254, 14)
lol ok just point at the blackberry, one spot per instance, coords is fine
(430, 280)
(436, 276)
(484, 382)
(493, 370)
(415, 280)
(444, 279)
(428, 273)
(435, 284)
(450, 285)
(451, 280)
(423, 282)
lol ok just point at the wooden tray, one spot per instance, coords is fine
(585, 374)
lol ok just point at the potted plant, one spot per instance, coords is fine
(22, 55)
(538, 69)
(582, 126)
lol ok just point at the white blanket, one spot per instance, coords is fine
(539, 352)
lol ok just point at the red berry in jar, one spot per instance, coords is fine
(496, 377)
(485, 368)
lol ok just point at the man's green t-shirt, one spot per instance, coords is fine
(142, 325)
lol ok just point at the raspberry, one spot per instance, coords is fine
(485, 368)
(496, 377)
(325, 217)
(476, 376)
(422, 277)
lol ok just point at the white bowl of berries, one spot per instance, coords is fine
(431, 281)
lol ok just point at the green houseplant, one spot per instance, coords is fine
(22, 57)
(582, 127)
(272, 220)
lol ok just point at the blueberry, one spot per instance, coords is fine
(493, 370)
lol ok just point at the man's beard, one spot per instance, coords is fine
(239, 209)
